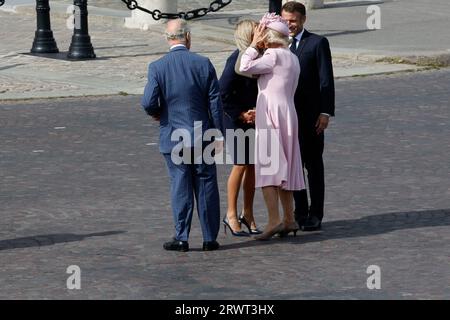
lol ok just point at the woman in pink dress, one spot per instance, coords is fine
(278, 168)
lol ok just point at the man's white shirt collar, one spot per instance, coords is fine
(177, 45)
(299, 37)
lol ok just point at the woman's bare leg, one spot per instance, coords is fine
(233, 186)
(248, 187)
(287, 202)
(271, 198)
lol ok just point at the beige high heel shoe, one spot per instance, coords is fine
(292, 227)
(266, 235)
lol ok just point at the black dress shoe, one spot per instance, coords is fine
(312, 224)
(176, 245)
(210, 245)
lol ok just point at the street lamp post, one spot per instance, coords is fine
(81, 47)
(43, 39)
(275, 6)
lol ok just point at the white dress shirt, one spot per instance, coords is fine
(298, 38)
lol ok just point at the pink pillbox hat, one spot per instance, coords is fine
(275, 22)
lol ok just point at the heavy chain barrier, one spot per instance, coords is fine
(2, 2)
(157, 14)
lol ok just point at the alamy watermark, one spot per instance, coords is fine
(74, 280)
(74, 20)
(206, 146)
(374, 20)
(374, 280)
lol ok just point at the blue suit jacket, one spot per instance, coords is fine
(315, 91)
(182, 88)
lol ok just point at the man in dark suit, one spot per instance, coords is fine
(315, 103)
(183, 94)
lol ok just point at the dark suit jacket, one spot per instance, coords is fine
(238, 93)
(315, 91)
(182, 88)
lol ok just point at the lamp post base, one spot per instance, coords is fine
(44, 42)
(81, 48)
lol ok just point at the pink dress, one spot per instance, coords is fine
(277, 149)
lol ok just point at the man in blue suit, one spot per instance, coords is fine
(315, 104)
(183, 94)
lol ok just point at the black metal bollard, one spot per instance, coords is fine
(81, 47)
(43, 39)
(275, 6)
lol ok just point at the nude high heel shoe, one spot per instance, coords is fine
(266, 235)
(292, 227)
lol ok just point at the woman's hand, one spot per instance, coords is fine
(259, 36)
(248, 116)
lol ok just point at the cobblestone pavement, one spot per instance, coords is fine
(82, 183)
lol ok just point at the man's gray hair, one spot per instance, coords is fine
(180, 33)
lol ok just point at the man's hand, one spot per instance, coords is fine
(322, 123)
(156, 117)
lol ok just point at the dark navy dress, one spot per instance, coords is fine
(239, 95)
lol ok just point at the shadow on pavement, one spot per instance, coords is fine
(346, 4)
(63, 55)
(50, 239)
(156, 53)
(334, 33)
(362, 227)
(11, 66)
(127, 46)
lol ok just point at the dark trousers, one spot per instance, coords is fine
(311, 147)
(275, 6)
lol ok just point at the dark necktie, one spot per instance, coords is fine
(294, 45)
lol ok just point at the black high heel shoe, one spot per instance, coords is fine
(234, 233)
(250, 230)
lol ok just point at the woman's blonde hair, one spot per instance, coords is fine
(277, 37)
(243, 35)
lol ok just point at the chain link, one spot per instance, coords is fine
(157, 14)
(2, 2)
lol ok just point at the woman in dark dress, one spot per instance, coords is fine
(239, 92)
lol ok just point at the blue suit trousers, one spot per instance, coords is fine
(186, 182)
